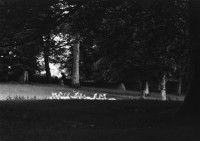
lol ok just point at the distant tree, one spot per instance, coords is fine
(28, 23)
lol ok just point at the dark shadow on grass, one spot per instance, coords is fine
(47, 118)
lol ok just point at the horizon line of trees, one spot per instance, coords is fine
(122, 41)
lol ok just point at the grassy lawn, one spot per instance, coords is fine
(83, 120)
(45, 91)
(50, 120)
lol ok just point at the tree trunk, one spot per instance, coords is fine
(159, 86)
(26, 78)
(46, 61)
(179, 91)
(122, 86)
(144, 89)
(163, 88)
(75, 69)
(192, 99)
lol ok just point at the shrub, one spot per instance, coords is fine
(41, 79)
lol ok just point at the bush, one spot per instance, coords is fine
(43, 80)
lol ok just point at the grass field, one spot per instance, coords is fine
(45, 91)
(84, 120)
(79, 120)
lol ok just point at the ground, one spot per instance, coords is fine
(85, 120)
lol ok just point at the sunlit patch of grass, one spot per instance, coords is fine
(79, 95)
(20, 98)
(74, 95)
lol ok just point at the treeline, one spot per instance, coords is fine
(123, 41)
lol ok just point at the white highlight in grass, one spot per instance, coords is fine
(80, 96)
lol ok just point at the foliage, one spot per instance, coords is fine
(118, 39)
(142, 41)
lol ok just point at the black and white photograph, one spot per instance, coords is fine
(99, 70)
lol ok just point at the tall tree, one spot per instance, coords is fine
(79, 26)
(46, 52)
(76, 62)
(192, 99)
